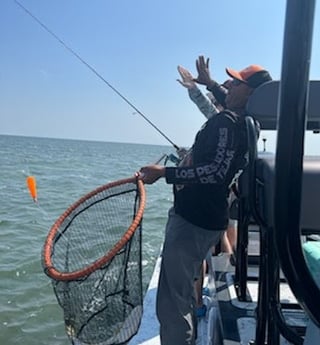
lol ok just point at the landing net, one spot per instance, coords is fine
(93, 256)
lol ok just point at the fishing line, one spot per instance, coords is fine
(92, 69)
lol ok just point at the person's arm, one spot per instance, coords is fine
(202, 102)
(204, 78)
(219, 154)
(151, 173)
(207, 108)
(219, 92)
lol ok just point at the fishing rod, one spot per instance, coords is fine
(92, 69)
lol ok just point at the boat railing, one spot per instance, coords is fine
(290, 187)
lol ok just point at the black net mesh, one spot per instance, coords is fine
(104, 307)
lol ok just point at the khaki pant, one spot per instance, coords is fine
(184, 250)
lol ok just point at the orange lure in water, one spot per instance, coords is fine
(32, 186)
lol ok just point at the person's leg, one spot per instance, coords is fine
(198, 287)
(225, 244)
(184, 249)
(232, 234)
(175, 288)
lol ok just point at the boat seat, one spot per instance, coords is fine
(309, 218)
(263, 105)
(265, 176)
(258, 186)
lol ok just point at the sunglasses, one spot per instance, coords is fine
(237, 82)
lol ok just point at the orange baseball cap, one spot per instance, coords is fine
(253, 75)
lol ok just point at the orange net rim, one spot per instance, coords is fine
(49, 268)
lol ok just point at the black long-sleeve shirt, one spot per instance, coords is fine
(201, 188)
(219, 92)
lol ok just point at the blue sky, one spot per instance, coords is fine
(136, 46)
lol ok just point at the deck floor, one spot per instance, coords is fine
(237, 318)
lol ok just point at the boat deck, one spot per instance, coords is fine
(149, 329)
(238, 317)
(224, 308)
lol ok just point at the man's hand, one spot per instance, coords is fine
(182, 152)
(202, 65)
(187, 78)
(151, 173)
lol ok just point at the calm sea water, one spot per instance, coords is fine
(65, 170)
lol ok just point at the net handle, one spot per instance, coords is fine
(49, 242)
